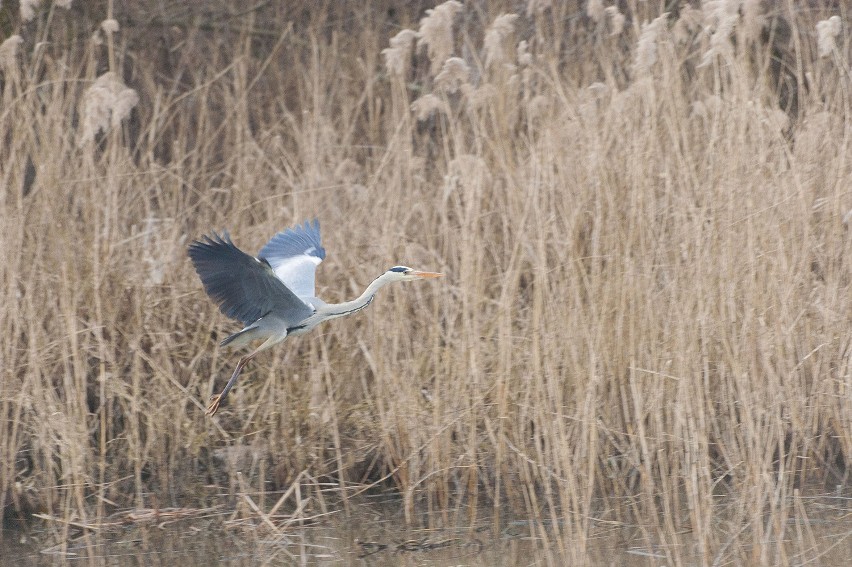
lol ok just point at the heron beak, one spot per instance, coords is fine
(426, 274)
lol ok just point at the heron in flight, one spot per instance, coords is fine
(273, 294)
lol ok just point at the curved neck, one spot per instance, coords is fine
(334, 310)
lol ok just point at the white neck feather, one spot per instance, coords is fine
(334, 310)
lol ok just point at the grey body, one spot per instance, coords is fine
(273, 295)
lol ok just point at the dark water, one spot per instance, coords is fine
(370, 534)
(185, 544)
(374, 533)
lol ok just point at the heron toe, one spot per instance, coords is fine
(214, 405)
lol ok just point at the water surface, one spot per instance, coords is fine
(374, 533)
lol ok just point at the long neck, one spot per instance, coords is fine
(334, 310)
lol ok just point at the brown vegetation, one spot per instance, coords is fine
(646, 317)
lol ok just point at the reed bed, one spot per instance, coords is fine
(646, 314)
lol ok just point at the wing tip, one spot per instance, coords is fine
(212, 239)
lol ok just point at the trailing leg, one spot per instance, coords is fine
(216, 401)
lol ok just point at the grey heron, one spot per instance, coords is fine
(273, 294)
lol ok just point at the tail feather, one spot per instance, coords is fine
(242, 338)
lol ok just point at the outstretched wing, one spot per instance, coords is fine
(243, 287)
(294, 255)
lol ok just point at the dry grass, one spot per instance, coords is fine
(647, 313)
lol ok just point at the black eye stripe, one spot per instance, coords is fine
(400, 269)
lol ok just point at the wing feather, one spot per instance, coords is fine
(243, 287)
(294, 255)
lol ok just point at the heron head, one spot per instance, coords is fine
(404, 273)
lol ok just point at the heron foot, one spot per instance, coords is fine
(214, 405)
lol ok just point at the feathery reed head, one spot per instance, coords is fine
(827, 32)
(436, 33)
(105, 104)
(496, 38)
(398, 55)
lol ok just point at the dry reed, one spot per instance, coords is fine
(646, 319)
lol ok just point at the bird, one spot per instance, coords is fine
(273, 294)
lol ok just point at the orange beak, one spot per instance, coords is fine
(426, 274)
